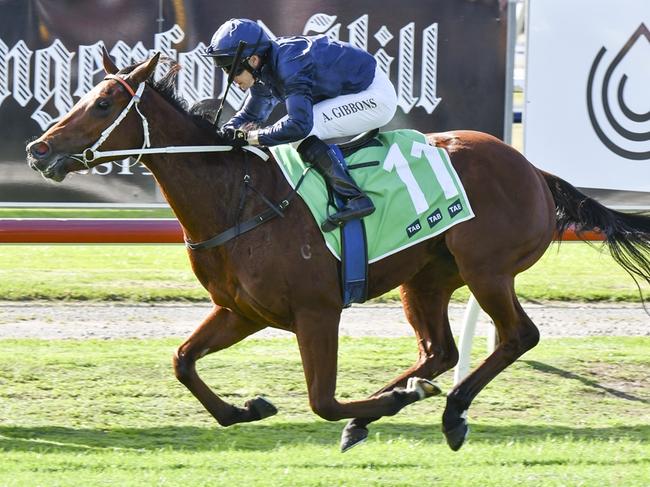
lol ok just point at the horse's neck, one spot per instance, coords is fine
(201, 188)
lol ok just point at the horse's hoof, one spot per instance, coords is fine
(352, 436)
(457, 435)
(260, 408)
(423, 387)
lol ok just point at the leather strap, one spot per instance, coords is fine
(122, 81)
(237, 230)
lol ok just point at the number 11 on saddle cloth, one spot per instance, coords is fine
(415, 189)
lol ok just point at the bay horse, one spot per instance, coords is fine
(282, 275)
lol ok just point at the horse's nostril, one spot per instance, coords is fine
(39, 149)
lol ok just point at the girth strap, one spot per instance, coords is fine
(240, 228)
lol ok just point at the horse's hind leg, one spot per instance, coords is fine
(317, 333)
(221, 329)
(517, 334)
(425, 300)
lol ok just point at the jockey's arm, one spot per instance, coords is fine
(256, 109)
(296, 74)
(295, 126)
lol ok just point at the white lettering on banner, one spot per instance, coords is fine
(53, 67)
(429, 79)
(21, 56)
(56, 61)
(322, 24)
(163, 43)
(125, 168)
(4, 73)
(357, 30)
(196, 79)
(384, 61)
(90, 64)
(125, 55)
(102, 169)
(405, 98)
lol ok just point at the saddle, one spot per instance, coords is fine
(365, 139)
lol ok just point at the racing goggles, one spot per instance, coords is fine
(226, 63)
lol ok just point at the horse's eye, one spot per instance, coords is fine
(103, 104)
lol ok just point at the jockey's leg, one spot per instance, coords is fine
(325, 160)
(343, 116)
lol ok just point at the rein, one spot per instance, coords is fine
(90, 154)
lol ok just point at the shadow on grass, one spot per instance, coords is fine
(52, 439)
(549, 369)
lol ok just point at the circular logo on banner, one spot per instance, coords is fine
(617, 97)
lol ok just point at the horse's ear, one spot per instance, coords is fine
(109, 65)
(144, 70)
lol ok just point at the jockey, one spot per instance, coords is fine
(329, 88)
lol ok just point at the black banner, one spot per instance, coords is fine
(445, 57)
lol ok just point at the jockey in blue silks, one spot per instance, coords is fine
(329, 88)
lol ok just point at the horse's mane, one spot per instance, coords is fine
(201, 114)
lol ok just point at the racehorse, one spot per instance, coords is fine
(281, 274)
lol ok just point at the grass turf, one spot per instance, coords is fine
(570, 412)
(151, 273)
(86, 213)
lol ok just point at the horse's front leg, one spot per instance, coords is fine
(317, 335)
(221, 329)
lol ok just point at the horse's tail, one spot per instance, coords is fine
(627, 235)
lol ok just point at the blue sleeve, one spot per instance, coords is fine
(295, 126)
(256, 109)
(295, 72)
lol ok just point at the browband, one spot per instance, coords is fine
(122, 81)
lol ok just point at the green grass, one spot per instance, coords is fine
(85, 213)
(150, 273)
(571, 412)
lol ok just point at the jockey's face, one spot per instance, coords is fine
(245, 79)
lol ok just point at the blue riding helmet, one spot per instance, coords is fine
(226, 39)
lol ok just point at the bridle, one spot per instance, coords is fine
(92, 153)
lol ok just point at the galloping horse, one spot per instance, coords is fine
(282, 275)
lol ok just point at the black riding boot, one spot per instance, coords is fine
(325, 160)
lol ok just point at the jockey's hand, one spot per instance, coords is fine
(234, 137)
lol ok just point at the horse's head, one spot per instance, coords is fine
(53, 153)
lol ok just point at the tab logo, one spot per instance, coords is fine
(434, 218)
(455, 208)
(413, 228)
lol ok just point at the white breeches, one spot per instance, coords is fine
(353, 114)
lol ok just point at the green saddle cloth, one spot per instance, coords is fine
(415, 189)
